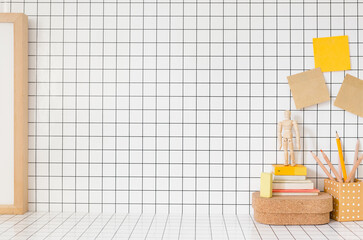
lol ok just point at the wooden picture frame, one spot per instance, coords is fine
(20, 85)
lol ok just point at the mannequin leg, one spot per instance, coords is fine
(292, 154)
(286, 154)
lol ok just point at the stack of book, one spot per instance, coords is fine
(289, 180)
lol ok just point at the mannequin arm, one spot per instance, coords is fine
(297, 134)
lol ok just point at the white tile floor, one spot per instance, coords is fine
(36, 225)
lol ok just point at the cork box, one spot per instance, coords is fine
(347, 200)
(292, 210)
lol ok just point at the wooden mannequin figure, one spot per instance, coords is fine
(286, 137)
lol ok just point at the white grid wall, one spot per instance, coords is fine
(172, 106)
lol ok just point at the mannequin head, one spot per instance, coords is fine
(287, 115)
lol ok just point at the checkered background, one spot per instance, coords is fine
(172, 106)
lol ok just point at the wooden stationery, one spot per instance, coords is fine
(331, 166)
(355, 166)
(355, 157)
(322, 166)
(14, 113)
(342, 164)
(339, 169)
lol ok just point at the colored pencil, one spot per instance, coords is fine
(322, 166)
(342, 164)
(356, 164)
(355, 157)
(339, 169)
(331, 166)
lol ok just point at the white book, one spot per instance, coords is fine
(294, 194)
(289, 178)
(291, 181)
(307, 184)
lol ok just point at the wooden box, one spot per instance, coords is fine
(292, 210)
(347, 200)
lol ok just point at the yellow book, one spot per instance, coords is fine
(266, 185)
(297, 170)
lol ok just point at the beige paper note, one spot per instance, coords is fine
(308, 88)
(350, 96)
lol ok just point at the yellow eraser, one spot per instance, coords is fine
(266, 185)
(297, 170)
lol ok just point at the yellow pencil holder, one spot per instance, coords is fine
(347, 200)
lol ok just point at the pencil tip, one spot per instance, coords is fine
(321, 150)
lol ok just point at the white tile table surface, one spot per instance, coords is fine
(38, 225)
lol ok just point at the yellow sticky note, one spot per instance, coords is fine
(266, 185)
(332, 53)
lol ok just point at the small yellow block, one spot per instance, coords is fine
(297, 170)
(331, 53)
(266, 185)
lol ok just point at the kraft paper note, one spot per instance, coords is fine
(350, 95)
(332, 53)
(308, 88)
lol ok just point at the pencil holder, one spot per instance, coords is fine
(347, 200)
